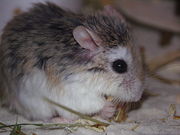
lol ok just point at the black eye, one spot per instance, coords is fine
(119, 66)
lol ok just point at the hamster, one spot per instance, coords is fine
(72, 59)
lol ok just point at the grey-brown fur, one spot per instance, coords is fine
(44, 35)
(110, 29)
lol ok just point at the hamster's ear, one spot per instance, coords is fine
(109, 10)
(86, 38)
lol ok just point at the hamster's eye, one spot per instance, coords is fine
(119, 66)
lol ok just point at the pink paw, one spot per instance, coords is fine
(108, 110)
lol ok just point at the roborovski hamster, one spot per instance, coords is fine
(72, 59)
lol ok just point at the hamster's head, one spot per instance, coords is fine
(112, 54)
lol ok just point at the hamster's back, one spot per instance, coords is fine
(38, 35)
(35, 39)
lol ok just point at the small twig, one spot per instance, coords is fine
(121, 115)
(77, 113)
(135, 127)
(22, 124)
(42, 125)
(19, 132)
(176, 118)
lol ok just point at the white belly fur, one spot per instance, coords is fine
(78, 94)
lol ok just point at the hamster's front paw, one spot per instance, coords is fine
(108, 110)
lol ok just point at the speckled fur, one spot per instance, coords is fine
(41, 40)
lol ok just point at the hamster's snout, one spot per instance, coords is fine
(130, 90)
(128, 84)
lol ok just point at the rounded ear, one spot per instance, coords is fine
(86, 38)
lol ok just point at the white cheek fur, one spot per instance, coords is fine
(121, 91)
